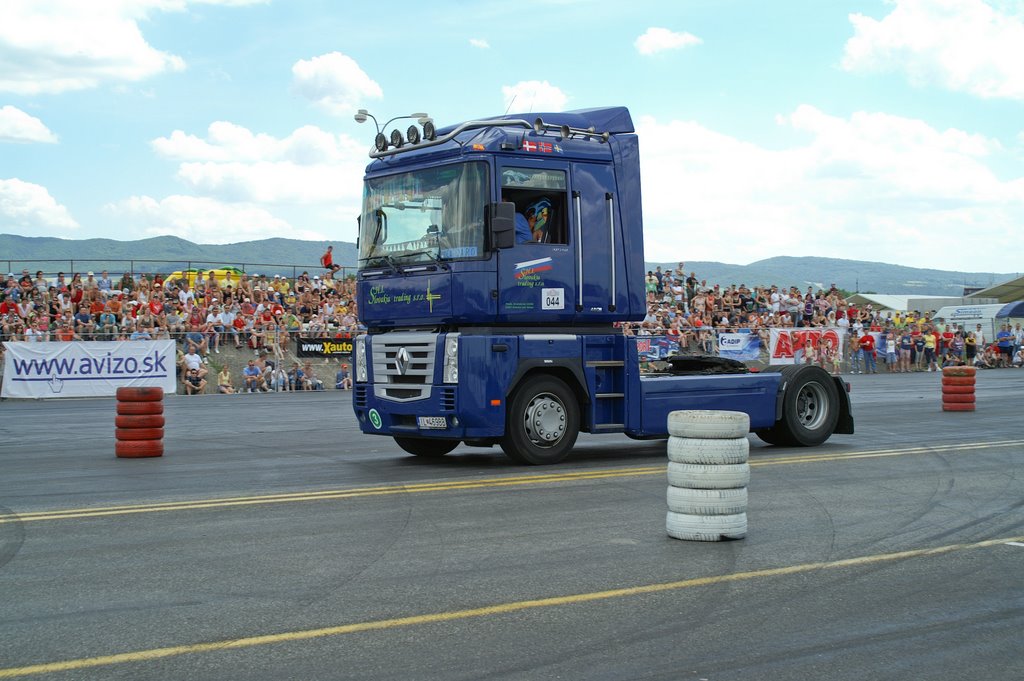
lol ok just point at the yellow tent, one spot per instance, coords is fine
(222, 275)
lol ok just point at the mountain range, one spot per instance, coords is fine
(165, 254)
(849, 275)
(168, 253)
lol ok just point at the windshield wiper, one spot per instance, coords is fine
(375, 260)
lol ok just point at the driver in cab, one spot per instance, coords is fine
(524, 226)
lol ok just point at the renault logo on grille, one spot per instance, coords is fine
(402, 360)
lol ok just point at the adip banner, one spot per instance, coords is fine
(739, 346)
(786, 346)
(86, 368)
(324, 347)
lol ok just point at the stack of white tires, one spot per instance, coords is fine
(708, 475)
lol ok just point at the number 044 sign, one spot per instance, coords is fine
(553, 299)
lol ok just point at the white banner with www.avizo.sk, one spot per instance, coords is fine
(86, 368)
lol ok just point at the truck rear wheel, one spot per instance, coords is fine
(810, 408)
(429, 448)
(542, 423)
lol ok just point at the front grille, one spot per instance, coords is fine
(360, 396)
(406, 360)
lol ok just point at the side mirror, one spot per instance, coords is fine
(502, 217)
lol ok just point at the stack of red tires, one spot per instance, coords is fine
(958, 388)
(139, 422)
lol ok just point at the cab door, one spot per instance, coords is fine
(537, 276)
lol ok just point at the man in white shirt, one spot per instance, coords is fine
(193, 362)
(214, 327)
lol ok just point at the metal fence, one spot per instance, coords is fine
(117, 268)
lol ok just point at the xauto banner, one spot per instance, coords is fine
(787, 345)
(86, 368)
(324, 347)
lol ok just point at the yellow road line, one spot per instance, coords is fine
(487, 611)
(508, 481)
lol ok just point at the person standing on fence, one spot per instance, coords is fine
(327, 261)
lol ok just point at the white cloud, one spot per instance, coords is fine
(245, 182)
(479, 43)
(30, 208)
(204, 220)
(232, 163)
(868, 187)
(67, 45)
(962, 45)
(533, 95)
(18, 126)
(334, 82)
(661, 39)
(61, 45)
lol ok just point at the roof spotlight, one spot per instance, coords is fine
(396, 138)
(413, 134)
(380, 142)
(429, 133)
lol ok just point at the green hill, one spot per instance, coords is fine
(292, 256)
(165, 254)
(850, 275)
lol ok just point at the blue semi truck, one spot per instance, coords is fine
(495, 257)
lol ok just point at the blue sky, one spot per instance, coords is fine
(878, 130)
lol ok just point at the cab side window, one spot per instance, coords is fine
(541, 202)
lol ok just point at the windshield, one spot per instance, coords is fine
(424, 215)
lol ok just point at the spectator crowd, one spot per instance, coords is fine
(261, 313)
(202, 312)
(691, 313)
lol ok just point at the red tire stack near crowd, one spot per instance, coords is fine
(139, 423)
(958, 388)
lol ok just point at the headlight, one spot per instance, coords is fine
(360, 352)
(451, 358)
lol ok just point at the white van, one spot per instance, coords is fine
(967, 317)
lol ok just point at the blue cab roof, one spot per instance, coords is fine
(495, 137)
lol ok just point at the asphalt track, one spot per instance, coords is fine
(274, 541)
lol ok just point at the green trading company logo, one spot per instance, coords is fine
(375, 419)
(380, 296)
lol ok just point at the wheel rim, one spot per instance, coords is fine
(545, 420)
(812, 405)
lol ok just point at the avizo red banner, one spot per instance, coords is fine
(789, 346)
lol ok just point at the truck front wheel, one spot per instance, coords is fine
(430, 448)
(543, 420)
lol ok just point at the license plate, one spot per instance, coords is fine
(432, 422)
